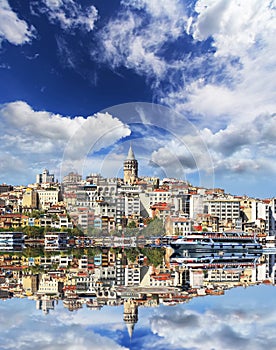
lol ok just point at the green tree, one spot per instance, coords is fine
(132, 254)
(75, 231)
(131, 224)
(132, 231)
(33, 231)
(94, 232)
(154, 227)
(155, 256)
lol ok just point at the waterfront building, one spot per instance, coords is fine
(160, 210)
(83, 217)
(55, 240)
(8, 221)
(120, 266)
(71, 178)
(4, 188)
(132, 275)
(207, 222)
(150, 200)
(227, 210)
(178, 226)
(11, 241)
(45, 304)
(197, 205)
(224, 276)
(272, 217)
(50, 285)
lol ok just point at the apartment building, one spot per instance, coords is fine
(50, 285)
(48, 197)
(224, 209)
(178, 226)
(55, 241)
(30, 199)
(45, 177)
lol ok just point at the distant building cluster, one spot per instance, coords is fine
(98, 204)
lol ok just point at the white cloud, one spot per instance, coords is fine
(24, 328)
(226, 84)
(74, 337)
(236, 81)
(12, 28)
(135, 41)
(70, 14)
(230, 329)
(239, 151)
(236, 25)
(35, 138)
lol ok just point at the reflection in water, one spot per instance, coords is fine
(243, 318)
(188, 294)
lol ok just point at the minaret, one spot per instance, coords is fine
(130, 168)
(130, 315)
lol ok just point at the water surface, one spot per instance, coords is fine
(243, 318)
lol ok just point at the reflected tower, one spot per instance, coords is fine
(130, 315)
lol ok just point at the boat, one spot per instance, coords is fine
(195, 250)
(215, 241)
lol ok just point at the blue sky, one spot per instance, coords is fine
(79, 79)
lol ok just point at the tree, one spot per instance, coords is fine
(155, 227)
(132, 231)
(33, 231)
(75, 231)
(131, 224)
(96, 232)
(155, 256)
(132, 254)
(92, 251)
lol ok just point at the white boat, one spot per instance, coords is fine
(215, 241)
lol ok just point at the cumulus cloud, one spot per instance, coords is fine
(12, 28)
(35, 138)
(239, 148)
(244, 148)
(69, 14)
(242, 35)
(230, 329)
(180, 157)
(218, 70)
(36, 335)
(235, 26)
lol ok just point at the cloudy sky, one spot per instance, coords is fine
(191, 83)
(242, 319)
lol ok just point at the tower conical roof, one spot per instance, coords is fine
(130, 155)
(130, 328)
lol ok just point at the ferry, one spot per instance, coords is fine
(215, 241)
(210, 258)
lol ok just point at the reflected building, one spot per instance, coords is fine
(45, 305)
(130, 315)
(11, 241)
